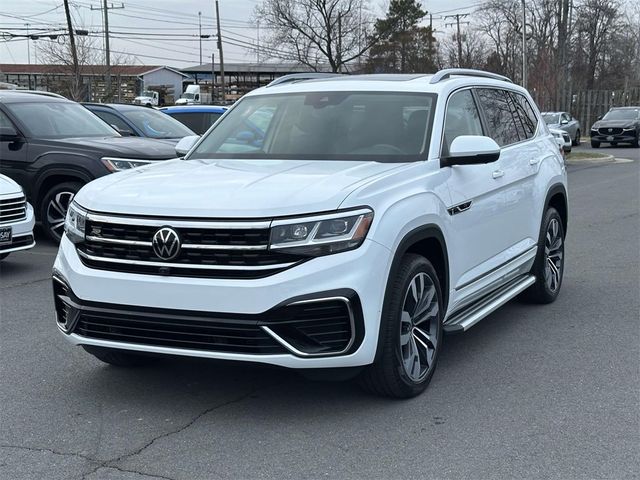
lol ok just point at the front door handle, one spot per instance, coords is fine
(534, 161)
(497, 174)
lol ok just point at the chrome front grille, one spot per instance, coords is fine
(232, 249)
(13, 209)
(610, 131)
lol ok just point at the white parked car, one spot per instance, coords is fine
(563, 139)
(323, 223)
(16, 219)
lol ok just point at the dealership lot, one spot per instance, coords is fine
(531, 392)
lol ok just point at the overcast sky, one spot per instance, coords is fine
(146, 24)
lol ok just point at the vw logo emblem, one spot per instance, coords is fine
(166, 243)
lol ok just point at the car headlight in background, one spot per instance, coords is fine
(321, 234)
(629, 129)
(114, 164)
(74, 223)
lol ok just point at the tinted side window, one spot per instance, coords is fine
(525, 116)
(113, 120)
(500, 120)
(195, 121)
(462, 118)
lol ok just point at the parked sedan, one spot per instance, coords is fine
(139, 121)
(16, 217)
(619, 125)
(197, 117)
(564, 121)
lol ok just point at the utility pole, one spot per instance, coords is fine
(74, 54)
(223, 96)
(28, 45)
(339, 55)
(213, 76)
(258, 49)
(107, 74)
(200, 34)
(458, 16)
(524, 45)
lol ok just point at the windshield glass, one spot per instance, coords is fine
(187, 95)
(60, 120)
(626, 114)
(377, 126)
(156, 124)
(551, 118)
(147, 93)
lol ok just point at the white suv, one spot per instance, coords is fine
(323, 222)
(16, 218)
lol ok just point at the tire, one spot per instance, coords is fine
(550, 251)
(408, 354)
(53, 208)
(595, 144)
(576, 140)
(4, 255)
(117, 357)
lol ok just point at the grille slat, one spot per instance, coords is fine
(13, 209)
(106, 248)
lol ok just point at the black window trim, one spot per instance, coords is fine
(442, 152)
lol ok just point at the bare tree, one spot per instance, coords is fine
(316, 33)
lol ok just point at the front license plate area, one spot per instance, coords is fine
(609, 138)
(5, 235)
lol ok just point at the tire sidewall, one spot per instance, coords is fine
(548, 295)
(62, 187)
(410, 267)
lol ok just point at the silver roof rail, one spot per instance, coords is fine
(39, 92)
(449, 72)
(299, 77)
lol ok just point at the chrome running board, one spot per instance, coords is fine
(469, 316)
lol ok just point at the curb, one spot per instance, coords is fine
(578, 161)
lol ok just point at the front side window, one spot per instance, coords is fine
(462, 118)
(500, 120)
(59, 120)
(112, 120)
(374, 126)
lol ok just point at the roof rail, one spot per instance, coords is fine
(299, 77)
(449, 72)
(39, 92)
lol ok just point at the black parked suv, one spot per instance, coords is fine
(619, 125)
(52, 146)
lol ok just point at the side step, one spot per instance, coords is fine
(469, 316)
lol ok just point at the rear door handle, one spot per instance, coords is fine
(534, 161)
(497, 174)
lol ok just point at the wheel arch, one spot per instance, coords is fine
(429, 242)
(55, 176)
(557, 198)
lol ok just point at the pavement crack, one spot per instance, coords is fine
(24, 284)
(50, 450)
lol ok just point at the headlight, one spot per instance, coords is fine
(118, 164)
(321, 234)
(628, 129)
(74, 223)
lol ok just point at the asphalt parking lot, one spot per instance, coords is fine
(530, 392)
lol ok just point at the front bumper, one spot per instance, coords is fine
(624, 137)
(359, 275)
(21, 233)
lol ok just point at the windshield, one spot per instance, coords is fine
(386, 127)
(626, 114)
(60, 120)
(156, 124)
(187, 95)
(551, 118)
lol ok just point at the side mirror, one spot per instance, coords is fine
(564, 121)
(600, 117)
(8, 134)
(185, 144)
(122, 131)
(471, 150)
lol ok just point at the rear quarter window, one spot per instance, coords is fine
(499, 117)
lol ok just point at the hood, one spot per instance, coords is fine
(8, 186)
(613, 123)
(124, 147)
(230, 188)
